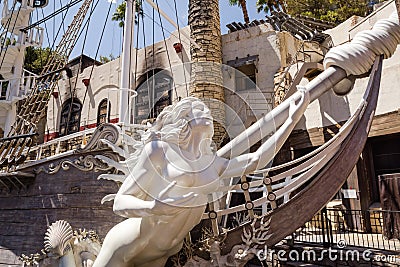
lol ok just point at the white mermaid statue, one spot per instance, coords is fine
(168, 179)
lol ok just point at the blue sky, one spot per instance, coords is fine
(112, 40)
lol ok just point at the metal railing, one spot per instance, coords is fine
(357, 228)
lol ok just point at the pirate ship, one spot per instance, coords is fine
(56, 180)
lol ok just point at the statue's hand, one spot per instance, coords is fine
(172, 205)
(297, 110)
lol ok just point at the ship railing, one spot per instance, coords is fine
(71, 142)
(24, 86)
(60, 145)
(32, 37)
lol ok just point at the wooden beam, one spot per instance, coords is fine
(384, 124)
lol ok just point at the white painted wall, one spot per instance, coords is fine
(105, 81)
(275, 51)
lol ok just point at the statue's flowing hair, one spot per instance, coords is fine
(172, 126)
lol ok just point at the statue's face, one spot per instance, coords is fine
(203, 121)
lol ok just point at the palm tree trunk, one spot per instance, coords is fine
(206, 76)
(282, 4)
(244, 10)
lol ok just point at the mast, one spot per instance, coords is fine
(125, 85)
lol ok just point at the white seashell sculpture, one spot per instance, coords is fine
(57, 238)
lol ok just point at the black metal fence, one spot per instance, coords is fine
(375, 229)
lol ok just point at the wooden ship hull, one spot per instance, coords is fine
(63, 188)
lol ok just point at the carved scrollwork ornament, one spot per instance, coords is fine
(105, 131)
(83, 163)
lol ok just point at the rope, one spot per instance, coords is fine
(8, 25)
(166, 48)
(137, 47)
(145, 61)
(171, 33)
(180, 41)
(357, 57)
(73, 91)
(71, 3)
(12, 31)
(98, 48)
(55, 37)
(61, 13)
(45, 27)
(153, 74)
(54, 24)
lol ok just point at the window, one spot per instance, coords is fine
(245, 78)
(70, 117)
(102, 115)
(154, 94)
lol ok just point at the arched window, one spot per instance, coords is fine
(103, 116)
(70, 117)
(154, 94)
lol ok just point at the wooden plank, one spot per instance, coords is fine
(53, 201)
(72, 181)
(42, 216)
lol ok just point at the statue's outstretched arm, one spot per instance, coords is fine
(250, 162)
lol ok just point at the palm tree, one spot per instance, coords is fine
(270, 5)
(398, 7)
(119, 14)
(242, 4)
(206, 76)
